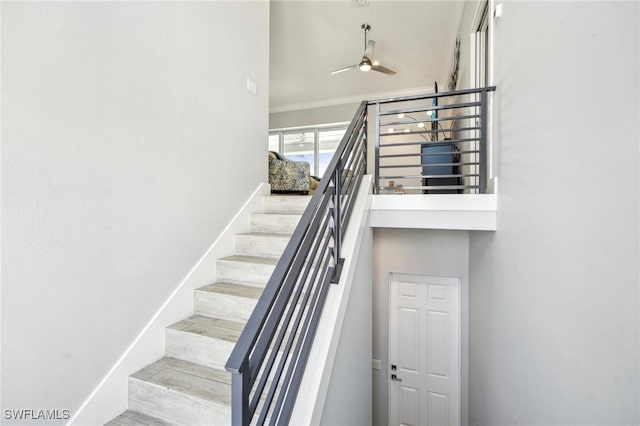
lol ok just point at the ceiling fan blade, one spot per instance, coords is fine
(382, 69)
(352, 67)
(368, 52)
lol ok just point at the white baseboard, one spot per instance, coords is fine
(109, 398)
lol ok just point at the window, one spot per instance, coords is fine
(315, 145)
(481, 68)
(481, 47)
(300, 146)
(274, 143)
(328, 143)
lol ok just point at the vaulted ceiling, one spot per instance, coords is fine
(309, 39)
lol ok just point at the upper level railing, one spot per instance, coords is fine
(432, 144)
(269, 358)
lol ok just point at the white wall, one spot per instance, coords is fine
(349, 393)
(124, 126)
(554, 296)
(420, 252)
(312, 116)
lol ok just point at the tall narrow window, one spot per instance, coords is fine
(300, 146)
(328, 142)
(480, 47)
(274, 142)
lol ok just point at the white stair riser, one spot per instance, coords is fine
(202, 350)
(276, 223)
(197, 348)
(223, 306)
(261, 245)
(285, 204)
(173, 406)
(244, 272)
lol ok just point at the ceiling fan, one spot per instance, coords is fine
(366, 63)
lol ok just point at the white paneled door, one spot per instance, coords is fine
(424, 350)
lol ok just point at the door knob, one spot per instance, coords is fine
(396, 378)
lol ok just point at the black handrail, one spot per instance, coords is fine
(268, 360)
(434, 95)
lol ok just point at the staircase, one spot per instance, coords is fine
(189, 386)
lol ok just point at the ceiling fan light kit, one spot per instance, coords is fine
(367, 63)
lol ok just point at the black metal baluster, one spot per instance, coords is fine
(337, 231)
(240, 396)
(483, 142)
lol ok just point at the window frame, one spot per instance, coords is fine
(481, 70)
(316, 130)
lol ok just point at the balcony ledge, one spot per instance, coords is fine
(469, 212)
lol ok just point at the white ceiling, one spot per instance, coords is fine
(309, 39)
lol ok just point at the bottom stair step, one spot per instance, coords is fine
(132, 418)
(182, 392)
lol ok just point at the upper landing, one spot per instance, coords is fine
(470, 212)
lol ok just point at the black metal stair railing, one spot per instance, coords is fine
(432, 144)
(268, 361)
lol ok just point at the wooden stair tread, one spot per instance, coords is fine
(267, 234)
(133, 418)
(209, 327)
(272, 261)
(287, 214)
(285, 203)
(233, 289)
(206, 383)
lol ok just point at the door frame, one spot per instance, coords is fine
(461, 316)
